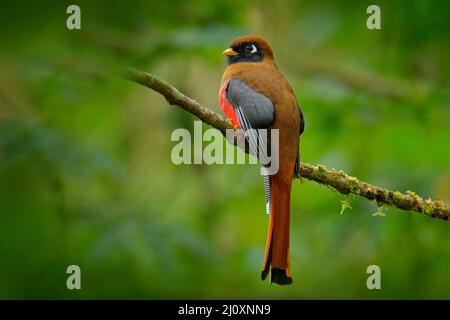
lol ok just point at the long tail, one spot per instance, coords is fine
(277, 247)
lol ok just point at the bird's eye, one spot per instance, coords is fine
(250, 48)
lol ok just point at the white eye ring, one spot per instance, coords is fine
(253, 49)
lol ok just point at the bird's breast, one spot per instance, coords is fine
(226, 106)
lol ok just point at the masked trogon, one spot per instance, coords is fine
(255, 95)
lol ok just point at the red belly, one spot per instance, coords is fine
(226, 107)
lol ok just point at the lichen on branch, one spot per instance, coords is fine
(337, 180)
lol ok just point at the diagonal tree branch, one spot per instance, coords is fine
(337, 180)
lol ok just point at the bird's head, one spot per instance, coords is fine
(249, 49)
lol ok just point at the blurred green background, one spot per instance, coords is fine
(85, 170)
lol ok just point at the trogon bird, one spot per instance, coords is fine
(255, 95)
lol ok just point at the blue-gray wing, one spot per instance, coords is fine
(258, 110)
(255, 113)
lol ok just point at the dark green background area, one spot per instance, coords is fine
(86, 176)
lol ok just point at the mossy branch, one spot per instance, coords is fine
(337, 180)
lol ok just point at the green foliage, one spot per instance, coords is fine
(85, 170)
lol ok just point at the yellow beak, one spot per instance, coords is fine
(230, 52)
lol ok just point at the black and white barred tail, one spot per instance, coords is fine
(268, 191)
